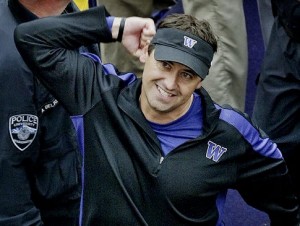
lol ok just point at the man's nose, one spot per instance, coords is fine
(171, 81)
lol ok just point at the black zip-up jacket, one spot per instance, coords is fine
(39, 156)
(126, 180)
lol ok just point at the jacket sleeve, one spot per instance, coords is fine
(49, 46)
(262, 177)
(264, 182)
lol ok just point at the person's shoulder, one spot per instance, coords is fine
(229, 113)
(239, 120)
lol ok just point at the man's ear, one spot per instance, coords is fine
(144, 54)
(199, 84)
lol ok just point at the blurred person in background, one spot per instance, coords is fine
(277, 103)
(228, 74)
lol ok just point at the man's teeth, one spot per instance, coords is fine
(164, 93)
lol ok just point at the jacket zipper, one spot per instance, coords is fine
(161, 159)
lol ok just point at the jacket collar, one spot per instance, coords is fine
(210, 113)
(128, 101)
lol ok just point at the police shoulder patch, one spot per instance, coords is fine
(23, 129)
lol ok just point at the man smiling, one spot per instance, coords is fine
(157, 151)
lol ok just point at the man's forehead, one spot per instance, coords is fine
(186, 68)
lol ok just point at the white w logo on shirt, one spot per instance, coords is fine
(214, 151)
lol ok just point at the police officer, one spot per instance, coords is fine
(39, 157)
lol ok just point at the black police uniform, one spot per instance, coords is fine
(39, 158)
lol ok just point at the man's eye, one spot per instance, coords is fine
(187, 76)
(165, 64)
